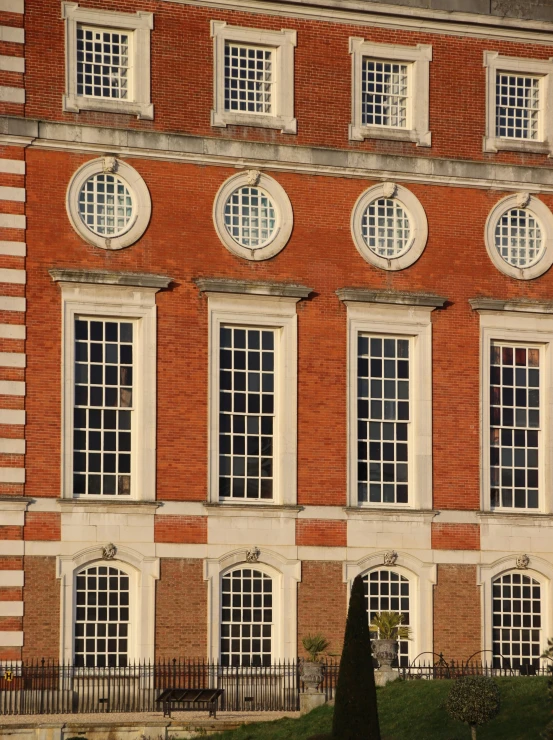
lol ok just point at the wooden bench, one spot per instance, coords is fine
(207, 698)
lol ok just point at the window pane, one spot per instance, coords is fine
(386, 228)
(518, 238)
(103, 384)
(514, 426)
(103, 617)
(246, 618)
(384, 94)
(249, 78)
(516, 621)
(247, 413)
(103, 63)
(106, 205)
(387, 591)
(250, 217)
(383, 412)
(518, 104)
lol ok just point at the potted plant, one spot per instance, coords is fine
(311, 669)
(389, 628)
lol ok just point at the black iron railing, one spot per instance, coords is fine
(49, 687)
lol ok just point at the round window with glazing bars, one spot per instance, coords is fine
(250, 217)
(518, 238)
(389, 226)
(106, 205)
(386, 228)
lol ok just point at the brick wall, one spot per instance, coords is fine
(189, 529)
(322, 603)
(41, 621)
(321, 532)
(181, 610)
(455, 536)
(42, 525)
(457, 620)
(182, 78)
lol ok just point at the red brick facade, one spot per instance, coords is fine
(179, 535)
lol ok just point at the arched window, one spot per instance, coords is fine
(246, 618)
(388, 591)
(102, 619)
(517, 621)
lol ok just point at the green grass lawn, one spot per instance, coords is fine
(414, 710)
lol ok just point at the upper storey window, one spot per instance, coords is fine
(518, 107)
(519, 92)
(254, 77)
(107, 61)
(249, 78)
(385, 98)
(390, 92)
(103, 63)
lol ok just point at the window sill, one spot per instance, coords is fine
(253, 509)
(287, 125)
(399, 514)
(121, 507)
(77, 103)
(496, 144)
(359, 133)
(526, 518)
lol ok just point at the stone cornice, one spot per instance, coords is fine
(399, 17)
(250, 287)
(365, 295)
(102, 277)
(522, 306)
(310, 160)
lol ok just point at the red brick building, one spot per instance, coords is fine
(275, 310)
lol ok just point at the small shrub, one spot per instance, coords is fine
(315, 645)
(473, 700)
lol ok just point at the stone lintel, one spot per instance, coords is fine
(364, 295)
(250, 287)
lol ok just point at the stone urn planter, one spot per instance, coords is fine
(385, 652)
(311, 673)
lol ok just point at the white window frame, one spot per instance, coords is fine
(143, 572)
(281, 202)
(422, 578)
(285, 574)
(527, 329)
(404, 322)
(283, 43)
(139, 25)
(495, 62)
(136, 304)
(139, 192)
(537, 208)
(539, 569)
(418, 114)
(279, 313)
(418, 225)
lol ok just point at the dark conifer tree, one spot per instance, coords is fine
(355, 710)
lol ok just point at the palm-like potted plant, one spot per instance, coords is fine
(311, 669)
(389, 628)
